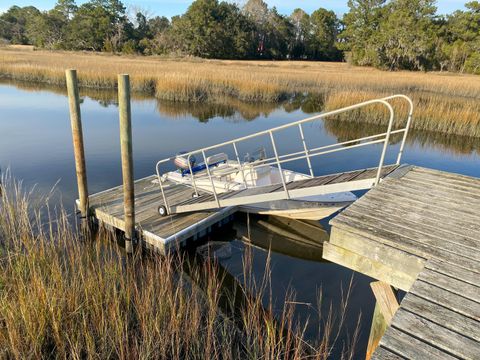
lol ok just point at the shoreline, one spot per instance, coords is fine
(445, 102)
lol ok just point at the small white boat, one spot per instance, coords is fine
(227, 175)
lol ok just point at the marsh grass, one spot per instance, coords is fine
(66, 295)
(444, 102)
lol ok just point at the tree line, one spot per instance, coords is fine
(393, 34)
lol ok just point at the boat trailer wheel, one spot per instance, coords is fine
(162, 210)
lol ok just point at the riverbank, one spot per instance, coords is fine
(447, 103)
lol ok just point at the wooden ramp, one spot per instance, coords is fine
(159, 233)
(327, 184)
(419, 231)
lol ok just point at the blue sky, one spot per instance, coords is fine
(171, 7)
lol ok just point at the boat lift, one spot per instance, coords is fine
(316, 185)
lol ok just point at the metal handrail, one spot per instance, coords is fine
(306, 153)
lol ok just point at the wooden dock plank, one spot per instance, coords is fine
(383, 354)
(453, 271)
(455, 286)
(428, 248)
(414, 226)
(409, 347)
(444, 183)
(367, 266)
(447, 299)
(405, 263)
(436, 335)
(459, 208)
(108, 207)
(464, 179)
(442, 316)
(428, 215)
(442, 191)
(399, 189)
(432, 218)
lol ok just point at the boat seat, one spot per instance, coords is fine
(212, 161)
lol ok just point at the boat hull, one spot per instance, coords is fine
(293, 209)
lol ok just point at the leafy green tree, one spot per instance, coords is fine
(362, 24)
(48, 29)
(273, 33)
(99, 25)
(279, 36)
(461, 45)
(301, 33)
(89, 28)
(14, 22)
(325, 28)
(211, 29)
(65, 8)
(157, 39)
(407, 36)
(257, 12)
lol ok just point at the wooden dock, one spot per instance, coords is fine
(419, 231)
(162, 234)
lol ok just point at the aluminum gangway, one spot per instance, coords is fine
(362, 179)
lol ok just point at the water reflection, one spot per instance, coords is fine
(228, 108)
(235, 111)
(295, 238)
(461, 145)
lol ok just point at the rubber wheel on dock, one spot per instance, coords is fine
(162, 210)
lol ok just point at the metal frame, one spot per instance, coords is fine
(278, 160)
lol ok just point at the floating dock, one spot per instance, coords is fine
(419, 231)
(162, 234)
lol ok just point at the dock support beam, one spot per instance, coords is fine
(77, 135)
(385, 307)
(127, 159)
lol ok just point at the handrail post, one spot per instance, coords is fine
(192, 175)
(165, 201)
(405, 134)
(306, 150)
(387, 140)
(240, 165)
(407, 125)
(77, 135)
(127, 159)
(211, 179)
(287, 194)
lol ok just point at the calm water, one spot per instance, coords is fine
(35, 143)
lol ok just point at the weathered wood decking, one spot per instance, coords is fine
(159, 233)
(419, 231)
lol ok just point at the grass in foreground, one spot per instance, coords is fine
(64, 296)
(445, 102)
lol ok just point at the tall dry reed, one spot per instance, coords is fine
(65, 295)
(445, 102)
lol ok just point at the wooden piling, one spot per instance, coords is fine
(77, 135)
(385, 307)
(127, 159)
